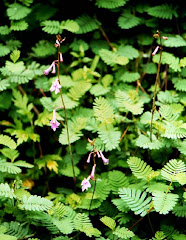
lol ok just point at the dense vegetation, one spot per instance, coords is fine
(92, 98)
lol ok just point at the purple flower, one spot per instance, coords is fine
(54, 123)
(55, 86)
(105, 160)
(155, 51)
(60, 57)
(53, 67)
(93, 172)
(85, 184)
(88, 159)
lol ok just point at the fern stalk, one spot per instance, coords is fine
(66, 120)
(155, 90)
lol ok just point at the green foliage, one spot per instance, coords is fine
(6, 191)
(128, 20)
(123, 233)
(35, 203)
(7, 141)
(86, 24)
(17, 11)
(16, 229)
(109, 222)
(111, 3)
(165, 11)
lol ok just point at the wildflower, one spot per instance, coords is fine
(53, 67)
(155, 51)
(55, 86)
(85, 184)
(88, 159)
(60, 57)
(105, 160)
(93, 172)
(54, 123)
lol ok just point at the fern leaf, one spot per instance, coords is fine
(168, 231)
(7, 141)
(129, 77)
(174, 130)
(78, 90)
(128, 51)
(164, 203)
(9, 167)
(117, 179)
(69, 103)
(110, 137)
(174, 171)
(136, 200)
(15, 55)
(168, 113)
(20, 25)
(7, 237)
(4, 30)
(179, 84)
(70, 25)
(109, 222)
(102, 189)
(123, 233)
(179, 211)
(140, 169)
(43, 49)
(86, 24)
(174, 41)
(127, 20)
(103, 110)
(65, 225)
(51, 27)
(4, 84)
(99, 90)
(67, 170)
(145, 143)
(4, 50)
(12, 154)
(35, 203)
(17, 11)
(110, 4)
(112, 58)
(16, 229)
(6, 191)
(164, 11)
(121, 205)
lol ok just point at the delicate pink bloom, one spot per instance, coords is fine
(155, 51)
(54, 123)
(53, 67)
(93, 172)
(57, 44)
(85, 184)
(60, 57)
(105, 160)
(55, 86)
(88, 159)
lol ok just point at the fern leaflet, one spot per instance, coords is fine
(110, 3)
(165, 11)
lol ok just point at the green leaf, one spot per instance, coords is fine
(164, 11)
(15, 55)
(7, 141)
(112, 58)
(110, 4)
(174, 41)
(128, 51)
(86, 24)
(127, 20)
(7, 237)
(6, 191)
(19, 25)
(16, 11)
(123, 233)
(9, 167)
(35, 203)
(4, 50)
(70, 25)
(145, 142)
(109, 222)
(51, 27)
(130, 77)
(4, 30)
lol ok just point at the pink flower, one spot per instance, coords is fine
(54, 123)
(60, 57)
(53, 67)
(105, 160)
(155, 51)
(93, 172)
(85, 184)
(55, 86)
(88, 159)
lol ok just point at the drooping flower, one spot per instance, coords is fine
(60, 57)
(53, 67)
(85, 184)
(155, 51)
(55, 86)
(93, 172)
(54, 123)
(105, 160)
(88, 159)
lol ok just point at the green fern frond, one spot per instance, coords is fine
(4, 84)
(128, 20)
(43, 49)
(145, 142)
(109, 222)
(103, 111)
(15, 55)
(174, 130)
(106, 209)
(130, 77)
(168, 58)
(167, 97)
(168, 231)
(4, 30)
(179, 211)
(36, 203)
(117, 179)
(69, 103)
(20, 25)
(112, 58)
(102, 189)
(128, 51)
(70, 25)
(168, 113)
(6, 191)
(51, 26)
(164, 11)
(121, 205)
(174, 41)
(159, 236)
(67, 169)
(86, 24)
(59, 210)
(78, 90)
(164, 203)
(4, 50)
(182, 147)
(174, 171)
(7, 237)
(179, 84)
(110, 3)
(12, 154)
(140, 169)
(110, 137)
(17, 11)
(9, 167)
(7, 141)
(89, 201)
(182, 62)
(16, 229)
(99, 90)
(136, 200)
(64, 225)
(123, 233)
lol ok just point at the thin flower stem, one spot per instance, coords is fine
(66, 121)
(155, 90)
(107, 39)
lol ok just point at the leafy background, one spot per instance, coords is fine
(108, 83)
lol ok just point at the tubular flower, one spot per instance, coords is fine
(88, 159)
(54, 123)
(60, 57)
(155, 51)
(105, 160)
(53, 67)
(85, 184)
(55, 86)
(93, 172)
